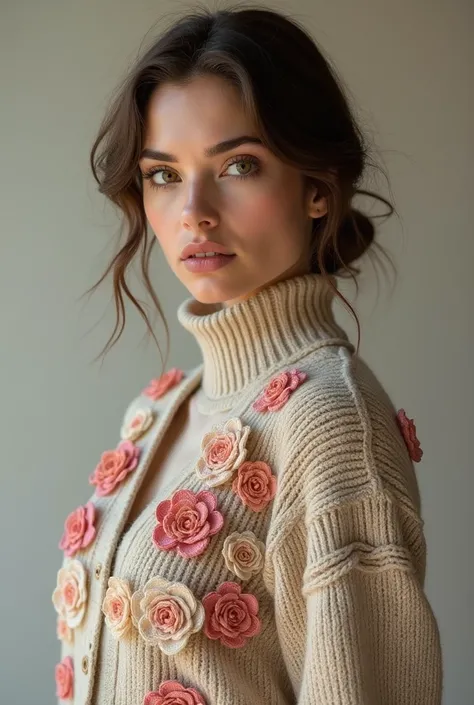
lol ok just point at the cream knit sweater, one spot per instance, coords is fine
(334, 611)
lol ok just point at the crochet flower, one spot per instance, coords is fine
(187, 522)
(64, 673)
(278, 390)
(138, 425)
(408, 429)
(117, 607)
(63, 632)
(222, 451)
(231, 616)
(166, 614)
(255, 484)
(79, 530)
(114, 466)
(160, 385)
(244, 554)
(173, 693)
(70, 595)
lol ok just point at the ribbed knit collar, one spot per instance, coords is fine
(258, 336)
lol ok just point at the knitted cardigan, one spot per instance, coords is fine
(286, 564)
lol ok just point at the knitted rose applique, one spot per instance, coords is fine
(173, 693)
(138, 425)
(63, 632)
(231, 615)
(255, 484)
(166, 614)
(70, 595)
(79, 530)
(186, 522)
(408, 430)
(223, 449)
(114, 466)
(278, 390)
(244, 554)
(64, 674)
(117, 607)
(160, 385)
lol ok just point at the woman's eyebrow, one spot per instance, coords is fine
(219, 148)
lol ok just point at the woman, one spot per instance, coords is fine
(255, 535)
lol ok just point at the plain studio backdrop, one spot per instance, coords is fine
(408, 67)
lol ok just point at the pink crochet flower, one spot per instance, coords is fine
(160, 385)
(223, 449)
(408, 429)
(278, 390)
(255, 484)
(63, 631)
(173, 693)
(231, 615)
(79, 530)
(114, 466)
(64, 674)
(187, 522)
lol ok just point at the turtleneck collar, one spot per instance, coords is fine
(256, 337)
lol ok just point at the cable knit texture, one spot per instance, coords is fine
(286, 564)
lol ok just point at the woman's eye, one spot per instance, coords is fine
(163, 177)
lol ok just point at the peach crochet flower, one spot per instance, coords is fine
(278, 390)
(63, 632)
(173, 693)
(114, 466)
(255, 484)
(244, 554)
(408, 429)
(117, 608)
(187, 522)
(231, 616)
(70, 595)
(160, 385)
(222, 451)
(64, 674)
(166, 614)
(79, 530)
(138, 425)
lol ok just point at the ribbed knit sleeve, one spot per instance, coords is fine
(346, 557)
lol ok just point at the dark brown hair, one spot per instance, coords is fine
(296, 100)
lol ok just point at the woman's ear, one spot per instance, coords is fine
(318, 205)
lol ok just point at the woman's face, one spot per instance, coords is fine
(243, 198)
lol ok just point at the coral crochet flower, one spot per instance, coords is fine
(222, 451)
(160, 385)
(138, 425)
(64, 674)
(244, 554)
(278, 390)
(231, 616)
(187, 522)
(173, 693)
(79, 530)
(63, 632)
(166, 614)
(408, 429)
(70, 595)
(114, 466)
(255, 484)
(117, 607)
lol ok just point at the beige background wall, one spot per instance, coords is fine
(408, 65)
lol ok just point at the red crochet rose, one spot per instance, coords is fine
(114, 466)
(160, 385)
(408, 429)
(173, 693)
(187, 522)
(231, 616)
(278, 390)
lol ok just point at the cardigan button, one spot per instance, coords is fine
(98, 570)
(85, 665)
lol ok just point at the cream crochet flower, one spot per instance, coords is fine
(117, 607)
(138, 425)
(244, 554)
(222, 451)
(70, 596)
(166, 614)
